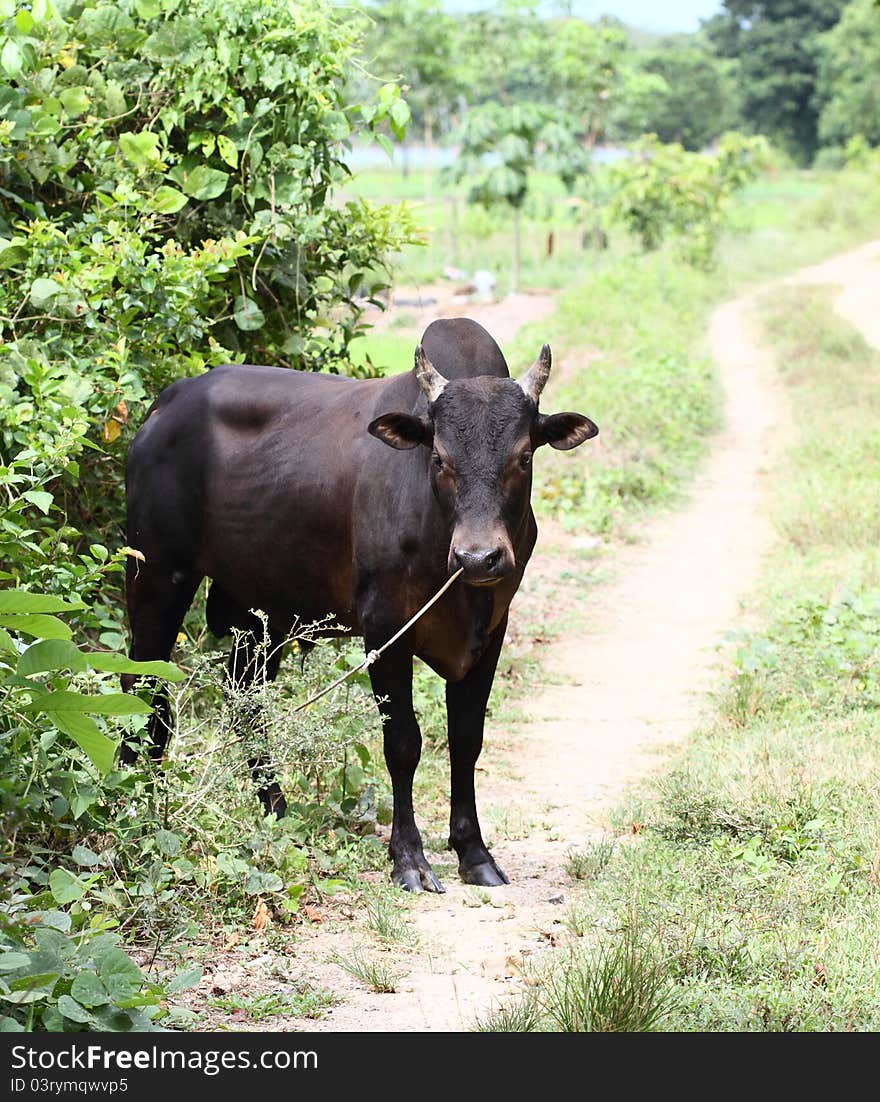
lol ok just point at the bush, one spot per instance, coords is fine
(58, 981)
(166, 204)
(664, 191)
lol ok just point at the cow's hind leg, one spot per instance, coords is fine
(157, 602)
(255, 657)
(466, 713)
(391, 679)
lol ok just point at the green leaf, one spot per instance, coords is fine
(205, 183)
(98, 747)
(114, 97)
(7, 646)
(24, 21)
(110, 662)
(53, 920)
(247, 314)
(82, 799)
(10, 1025)
(399, 117)
(11, 962)
(183, 981)
(20, 600)
(120, 975)
(7, 9)
(75, 100)
(291, 902)
(43, 291)
(88, 990)
(73, 1010)
(40, 498)
(166, 200)
(10, 58)
(12, 255)
(179, 40)
(51, 654)
(31, 989)
(65, 887)
(226, 149)
(84, 856)
(41, 627)
(139, 148)
(148, 9)
(168, 843)
(67, 702)
(258, 881)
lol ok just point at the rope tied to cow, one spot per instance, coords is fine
(375, 655)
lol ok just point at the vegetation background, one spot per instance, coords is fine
(178, 190)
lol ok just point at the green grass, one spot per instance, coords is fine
(389, 352)
(303, 1002)
(618, 985)
(588, 863)
(385, 920)
(757, 865)
(374, 974)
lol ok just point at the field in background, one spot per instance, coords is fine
(628, 334)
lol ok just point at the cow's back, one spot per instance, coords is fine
(247, 474)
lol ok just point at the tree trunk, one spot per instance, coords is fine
(514, 275)
(429, 145)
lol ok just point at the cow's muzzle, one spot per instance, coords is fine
(482, 565)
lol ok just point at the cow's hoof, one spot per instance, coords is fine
(417, 880)
(486, 875)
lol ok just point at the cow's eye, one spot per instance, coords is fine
(438, 463)
(525, 459)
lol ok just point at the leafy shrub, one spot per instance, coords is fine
(54, 980)
(665, 191)
(166, 204)
(824, 652)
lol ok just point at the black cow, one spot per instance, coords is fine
(278, 486)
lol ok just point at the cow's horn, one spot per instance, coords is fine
(430, 379)
(534, 379)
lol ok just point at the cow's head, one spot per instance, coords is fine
(482, 433)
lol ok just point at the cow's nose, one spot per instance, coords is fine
(483, 564)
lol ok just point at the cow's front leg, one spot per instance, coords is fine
(391, 678)
(466, 714)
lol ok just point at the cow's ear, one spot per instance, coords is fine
(564, 430)
(401, 430)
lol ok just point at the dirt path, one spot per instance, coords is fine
(856, 274)
(629, 688)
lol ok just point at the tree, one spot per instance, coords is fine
(499, 150)
(848, 89)
(499, 50)
(695, 105)
(664, 191)
(777, 45)
(414, 42)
